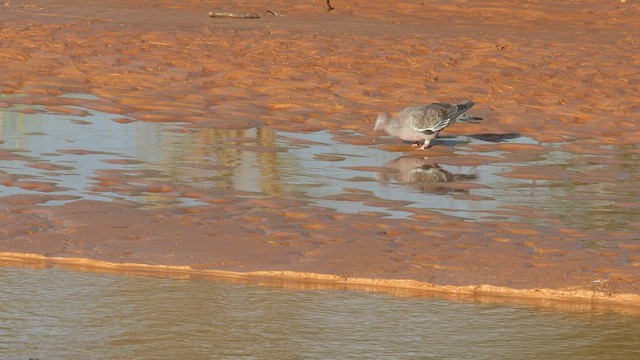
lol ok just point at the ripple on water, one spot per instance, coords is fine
(53, 313)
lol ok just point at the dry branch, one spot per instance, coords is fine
(234, 15)
(329, 5)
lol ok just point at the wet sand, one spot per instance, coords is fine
(557, 73)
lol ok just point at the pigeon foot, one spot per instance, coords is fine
(425, 145)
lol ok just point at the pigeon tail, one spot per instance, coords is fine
(464, 106)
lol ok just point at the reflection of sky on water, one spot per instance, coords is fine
(335, 176)
(262, 162)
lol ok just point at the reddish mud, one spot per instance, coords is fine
(563, 73)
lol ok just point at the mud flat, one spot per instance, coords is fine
(555, 216)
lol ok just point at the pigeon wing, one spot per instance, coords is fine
(435, 117)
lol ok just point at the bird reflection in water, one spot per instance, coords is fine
(418, 174)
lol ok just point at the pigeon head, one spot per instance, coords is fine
(382, 121)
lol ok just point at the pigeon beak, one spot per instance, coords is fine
(382, 118)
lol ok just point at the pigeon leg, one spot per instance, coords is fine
(425, 145)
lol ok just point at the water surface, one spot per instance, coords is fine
(482, 176)
(59, 314)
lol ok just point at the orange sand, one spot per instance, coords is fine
(553, 71)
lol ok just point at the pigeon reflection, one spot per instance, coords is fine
(418, 174)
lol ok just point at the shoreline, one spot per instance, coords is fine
(567, 299)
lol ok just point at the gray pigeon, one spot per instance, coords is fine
(422, 123)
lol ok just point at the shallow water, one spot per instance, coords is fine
(477, 176)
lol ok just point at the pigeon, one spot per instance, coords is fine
(423, 123)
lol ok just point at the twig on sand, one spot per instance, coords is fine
(329, 5)
(234, 15)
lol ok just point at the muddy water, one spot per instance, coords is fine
(55, 314)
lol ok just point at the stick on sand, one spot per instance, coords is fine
(329, 5)
(234, 15)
